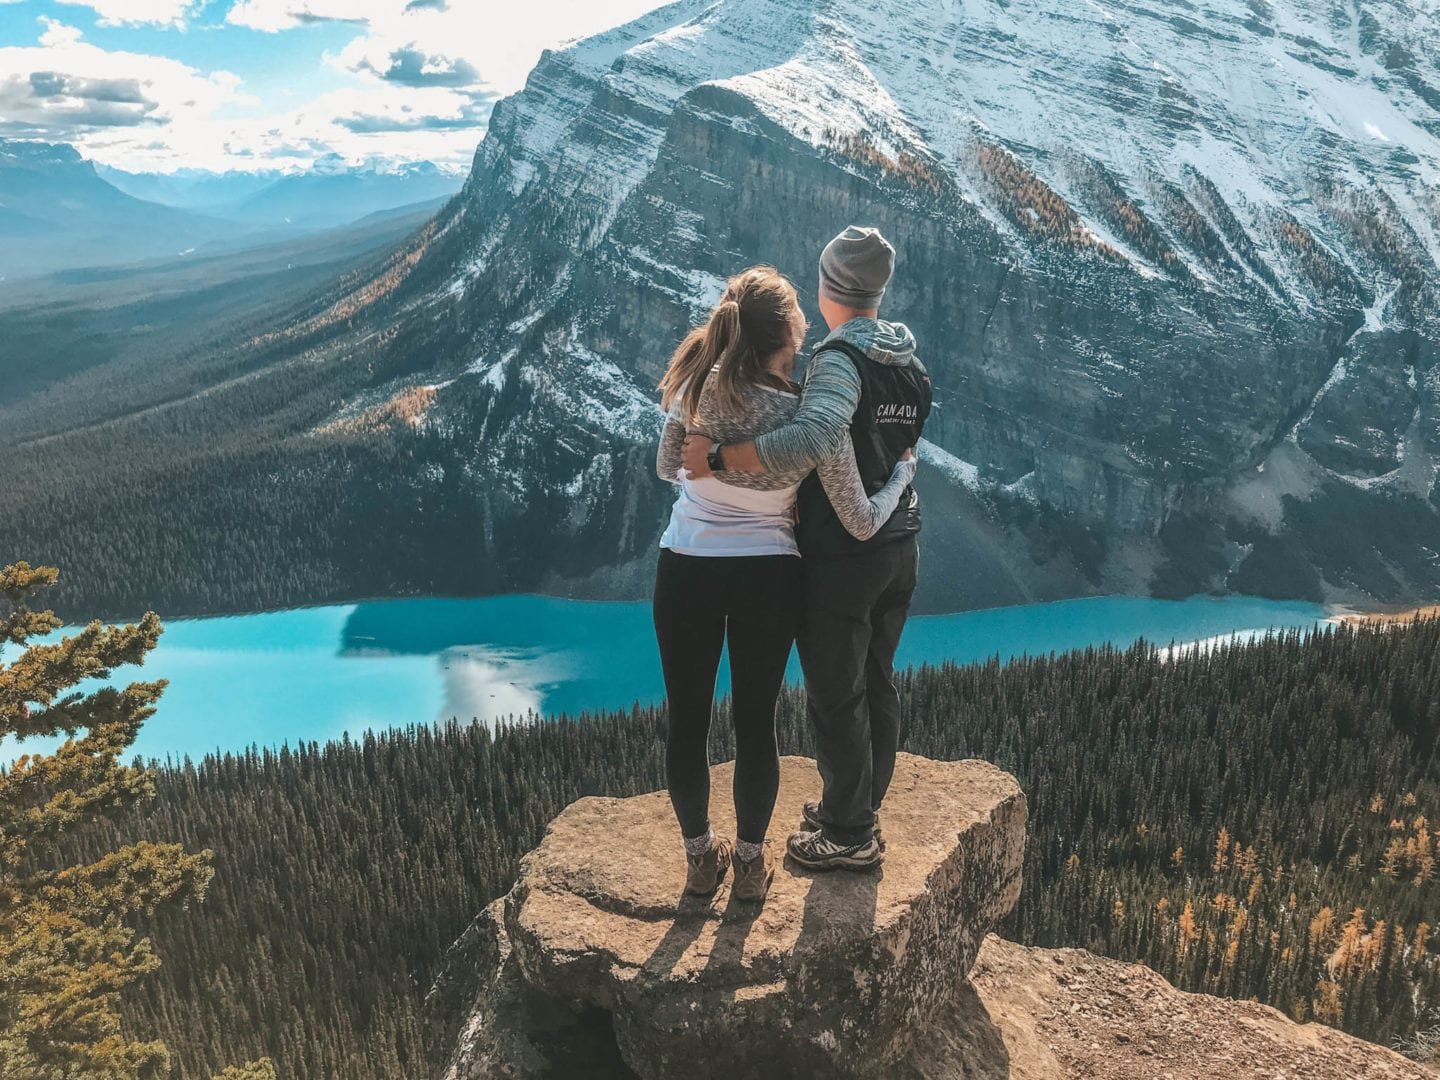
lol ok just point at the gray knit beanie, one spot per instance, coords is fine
(855, 267)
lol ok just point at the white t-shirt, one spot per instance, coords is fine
(715, 518)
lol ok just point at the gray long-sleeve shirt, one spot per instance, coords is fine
(821, 426)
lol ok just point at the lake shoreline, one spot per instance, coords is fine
(316, 674)
(1352, 617)
(1333, 612)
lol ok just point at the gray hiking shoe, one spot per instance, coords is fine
(752, 879)
(704, 873)
(811, 816)
(813, 851)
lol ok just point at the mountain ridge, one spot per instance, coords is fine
(1179, 303)
(1273, 285)
(68, 213)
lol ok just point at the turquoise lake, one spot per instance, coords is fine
(315, 674)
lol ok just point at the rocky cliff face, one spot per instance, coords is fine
(1165, 267)
(595, 965)
(1174, 270)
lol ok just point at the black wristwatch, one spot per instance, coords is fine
(716, 458)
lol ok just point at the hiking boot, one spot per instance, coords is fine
(811, 815)
(813, 851)
(752, 879)
(704, 873)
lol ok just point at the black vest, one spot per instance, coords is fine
(894, 404)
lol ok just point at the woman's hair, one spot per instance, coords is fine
(752, 322)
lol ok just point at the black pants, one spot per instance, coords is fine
(701, 603)
(855, 610)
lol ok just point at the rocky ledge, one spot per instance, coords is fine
(1062, 1014)
(594, 965)
(832, 975)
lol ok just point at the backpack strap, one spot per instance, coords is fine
(840, 345)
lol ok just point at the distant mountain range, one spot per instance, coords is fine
(327, 195)
(59, 211)
(191, 189)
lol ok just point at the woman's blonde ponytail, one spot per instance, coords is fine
(723, 329)
(752, 321)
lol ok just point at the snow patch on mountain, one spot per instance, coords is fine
(492, 374)
(699, 289)
(1375, 313)
(595, 392)
(952, 467)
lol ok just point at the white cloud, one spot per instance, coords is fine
(499, 44)
(427, 71)
(66, 88)
(419, 78)
(136, 12)
(56, 34)
(397, 123)
(276, 15)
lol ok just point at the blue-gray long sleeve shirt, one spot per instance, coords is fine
(831, 396)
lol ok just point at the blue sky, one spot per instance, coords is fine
(159, 85)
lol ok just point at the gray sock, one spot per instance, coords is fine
(748, 852)
(699, 845)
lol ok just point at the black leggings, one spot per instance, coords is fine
(701, 602)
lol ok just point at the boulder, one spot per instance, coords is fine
(834, 975)
(1057, 1014)
(593, 967)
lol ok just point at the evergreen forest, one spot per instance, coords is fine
(1255, 820)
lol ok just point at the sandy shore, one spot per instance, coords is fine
(1431, 612)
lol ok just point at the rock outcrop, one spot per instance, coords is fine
(1059, 1014)
(594, 965)
(833, 976)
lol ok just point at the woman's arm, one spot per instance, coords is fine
(862, 515)
(817, 430)
(667, 459)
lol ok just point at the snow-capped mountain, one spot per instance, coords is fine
(333, 193)
(191, 189)
(1166, 262)
(1173, 267)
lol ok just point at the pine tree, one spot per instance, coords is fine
(67, 944)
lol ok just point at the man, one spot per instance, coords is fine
(863, 386)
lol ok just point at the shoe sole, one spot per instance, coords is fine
(811, 825)
(839, 862)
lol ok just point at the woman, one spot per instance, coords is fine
(729, 569)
